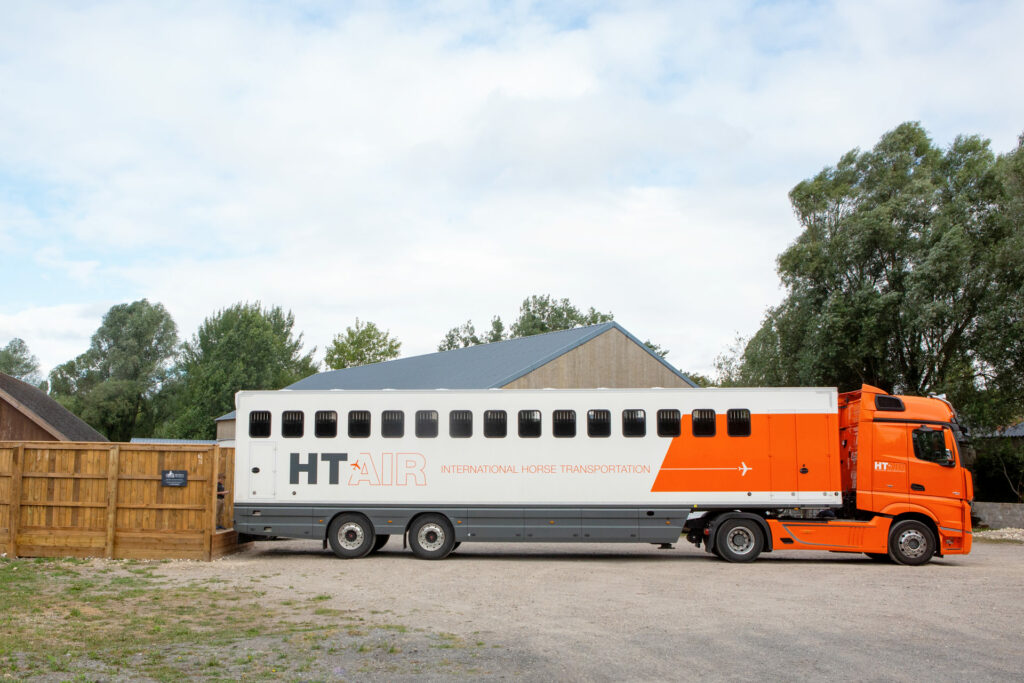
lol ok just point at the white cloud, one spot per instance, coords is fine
(416, 168)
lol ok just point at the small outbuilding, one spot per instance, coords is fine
(28, 414)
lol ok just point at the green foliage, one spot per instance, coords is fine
(18, 362)
(240, 347)
(537, 314)
(114, 384)
(656, 349)
(700, 380)
(907, 276)
(999, 470)
(361, 345)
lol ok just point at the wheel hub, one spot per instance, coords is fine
(430, 537)
(740, 541)
(912, 543)
(351, 536)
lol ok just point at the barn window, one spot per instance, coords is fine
(495, 424)
(259, 424)
(529, 424)
(563, 423)
(292, 424)
(634, 423)
(738, 422)
(426, 424)
(358, 424)
(325, 424)
(670, 423)
(392, 424)
(460, 424)
(599, 423)
(703, 422)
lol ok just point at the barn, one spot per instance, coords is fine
(28, 414)
(604, 355)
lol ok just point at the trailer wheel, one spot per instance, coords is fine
(431, 537)
(381, 541)
(911, 542)
(739, 540)
(351, 536)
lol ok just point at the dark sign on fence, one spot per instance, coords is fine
(174, 477)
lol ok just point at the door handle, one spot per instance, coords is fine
(916, 487)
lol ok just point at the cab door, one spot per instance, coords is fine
(936, 482)
(889, 476)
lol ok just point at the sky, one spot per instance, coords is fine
(418, 165)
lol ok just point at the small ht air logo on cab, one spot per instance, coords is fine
(886, 466)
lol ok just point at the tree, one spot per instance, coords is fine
(18, 362)
(240, 347)
(112, 386)
(361, 345)
(907, 275)
(537, 314)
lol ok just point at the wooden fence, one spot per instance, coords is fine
(108, 500)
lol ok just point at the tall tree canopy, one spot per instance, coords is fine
(241, 347)
(113, 385)
(17, 361)
(908, 275)
(361, 345)
(537, 314)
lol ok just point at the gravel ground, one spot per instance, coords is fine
(634, 612)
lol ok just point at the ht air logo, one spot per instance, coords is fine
(382, 469)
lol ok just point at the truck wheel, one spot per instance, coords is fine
(911, 542)
(739, 540)
(381, 541)
(431, 537)
(351, 536)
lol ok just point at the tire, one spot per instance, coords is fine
(879, 557)
(431, 537)
(381, 541)
(911, 542)
(351, 536)
(739, 540)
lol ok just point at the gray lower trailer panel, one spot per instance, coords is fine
(622, 524)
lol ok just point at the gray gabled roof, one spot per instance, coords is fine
(59, 418)
(485, 366)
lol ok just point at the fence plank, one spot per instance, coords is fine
(14, 509)
(113, 462)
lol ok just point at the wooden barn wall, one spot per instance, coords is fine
(610, 360)
(106, 500)
(16, 426)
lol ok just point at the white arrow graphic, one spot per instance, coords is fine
(743, 469)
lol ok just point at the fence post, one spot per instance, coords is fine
(14, 509)
(113, 464)
(211, 520)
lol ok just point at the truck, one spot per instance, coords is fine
(737, 471)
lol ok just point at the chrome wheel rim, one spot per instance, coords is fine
(740, 540)
(430, 536)
(351, 536)
(912, 543)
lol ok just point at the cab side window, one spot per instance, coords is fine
(930, 445)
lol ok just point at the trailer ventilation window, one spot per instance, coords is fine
(634, 423)
(495, 424)
(392, 424)
(325, 424)
(563, 424)
(703, 422)
(259, 424)
(291, 424)
(737, 422)
(359, 424)
(670, 423)
(890, 403)
(599, 423)
(426, 424)
(460, 424)
(529, 424)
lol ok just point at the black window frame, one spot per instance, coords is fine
(392, 424)
(737, 422)
(424, 420)
(525, 422)
(634, 423)
(357, 418)
(670, 423)
(459, 417)
(259, 417)
(293, 424)
(321, 420)
(704, 423)
(495, 424)
(599, 423)
(563, 424)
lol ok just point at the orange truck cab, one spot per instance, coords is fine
(906, 495)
